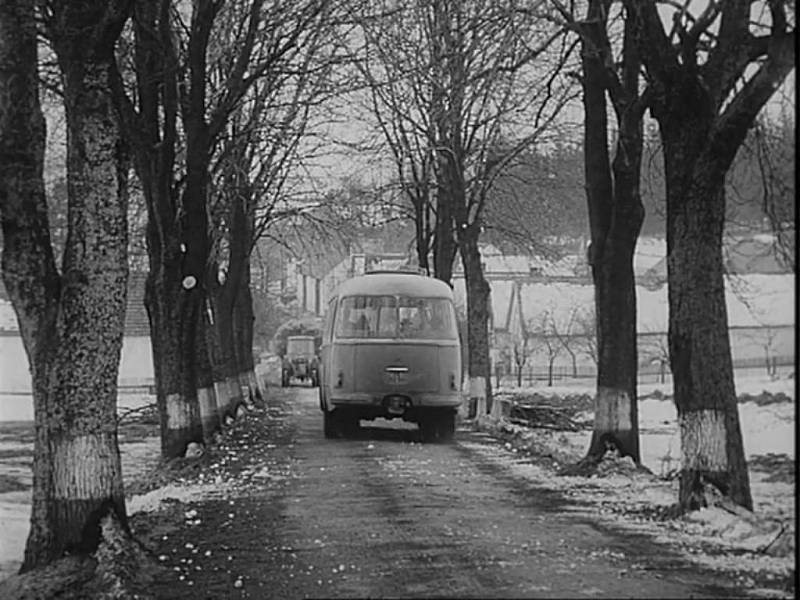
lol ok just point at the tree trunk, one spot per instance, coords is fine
(180, 415)
(222, 349)
(420, 199)
(444, 248)
(615, 218)
(151, 129)
(477, 320)
(700, 353)
(72, 329)
(29, 269)
(243, 322)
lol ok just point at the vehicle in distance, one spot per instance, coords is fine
(300, 360)
(391, 349)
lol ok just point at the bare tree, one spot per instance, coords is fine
(655, 350)
(71, 322)
(611, 73)
(460, 89)
(775, 154)
(543, 335)
(567, 334)
(188, 85)
(254, 167)
(586, 329)
(520, 357)
(709, 73)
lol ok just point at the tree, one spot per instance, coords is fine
(586, 329)
(543, 331)
(71, 322)
(655, 349)
(615, 219)
(185, 100)
(484, 81)
(709, 75)
(520, 357)
(565, 333)
(538, 197)
(400, 65)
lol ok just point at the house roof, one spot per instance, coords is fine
(137, 322)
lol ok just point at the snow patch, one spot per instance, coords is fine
(151, 501)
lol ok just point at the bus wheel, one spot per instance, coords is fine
(428, 427)
(446, 426)
(330, 425)
(350, 424)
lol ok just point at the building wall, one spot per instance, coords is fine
(135, 369)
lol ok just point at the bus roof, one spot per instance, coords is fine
(397, 283)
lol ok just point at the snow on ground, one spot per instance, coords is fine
(629, 498)
(622, 495)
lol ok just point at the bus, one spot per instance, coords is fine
(391, 349)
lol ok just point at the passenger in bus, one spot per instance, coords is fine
(361, 328)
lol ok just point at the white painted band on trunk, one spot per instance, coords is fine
(477, 387)
(252, 381)
(235, 386)
(612, 410)
(178, 412)
(207, 400)
(86, 468)
(703, 440)
(477, 390)
(223, 392)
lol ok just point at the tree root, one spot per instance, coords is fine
(120, 568)
(593, 463)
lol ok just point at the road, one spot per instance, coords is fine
(384, 515)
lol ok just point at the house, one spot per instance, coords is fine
(760, 309)
(136, 360)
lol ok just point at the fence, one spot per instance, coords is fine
(647, 373)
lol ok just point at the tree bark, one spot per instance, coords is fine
(29, 270)
(700, 353)
(444, 242)
(151, 128)
(477, 320)
(71, 327)
(615, 217)
(704, 113)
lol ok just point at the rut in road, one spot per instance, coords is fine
(384, 515)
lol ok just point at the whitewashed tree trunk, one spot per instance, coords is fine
(71, 324)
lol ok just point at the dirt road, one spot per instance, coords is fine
(289, 514)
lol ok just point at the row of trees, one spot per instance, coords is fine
(458, 90)
(209, 105)
(206, 106)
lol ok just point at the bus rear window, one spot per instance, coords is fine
(396, 317)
